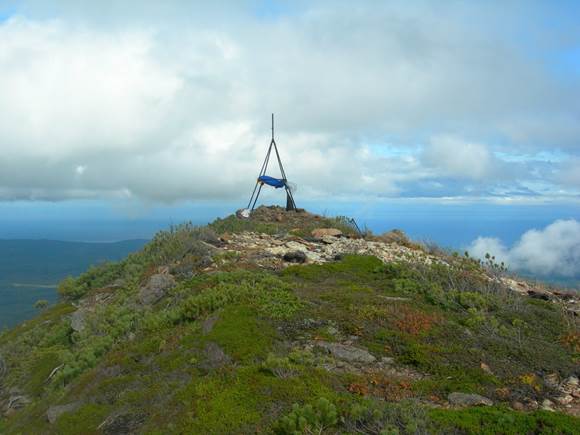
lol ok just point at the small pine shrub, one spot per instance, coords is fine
(372, 417)
(308, 419)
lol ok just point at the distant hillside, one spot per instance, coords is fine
(293, 323)
(47, 261)
(30, 270)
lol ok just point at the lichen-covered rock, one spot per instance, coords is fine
(347, 353)
(156, 288)
(464, 399)
(54, 412)
(296, 246)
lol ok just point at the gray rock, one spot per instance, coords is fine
(276, 250)
(565, 399)
(329, 240)
(571, 382)
(464, 399)
(296, 246)
(552, 380)
(388, 360)
(54, 412)
(295, 257)
(347, 353)
(215, 357)
(547, 405)
(77, 321)
(156, 288)
(122, 423)
(208, 324)
(314, 257)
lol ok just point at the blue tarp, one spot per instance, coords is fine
(271, 181)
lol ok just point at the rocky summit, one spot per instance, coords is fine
(294, 323)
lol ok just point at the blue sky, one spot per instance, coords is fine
(139, 111)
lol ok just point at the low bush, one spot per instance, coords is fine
(380, 418)
(308, 419)
(499, 420)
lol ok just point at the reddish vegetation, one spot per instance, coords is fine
(383, 387)
(414, 322)
(572, 341)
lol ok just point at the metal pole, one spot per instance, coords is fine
(280, 162)
(262, 172)
(258, 194)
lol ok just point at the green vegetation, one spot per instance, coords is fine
(41, 304)
(308, 418)
(263, 221)
(238, 350)
(498, 420)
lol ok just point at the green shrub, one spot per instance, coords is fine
(308, 418)
(373, 417)
(41, 304)
(499, 420)
(180, 240)
(70, 288)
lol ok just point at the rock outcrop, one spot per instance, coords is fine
(55, 411)
(77, 320)
(321, 233)
(464, 399)
(156, 288)
(258, 247)
(347, 353)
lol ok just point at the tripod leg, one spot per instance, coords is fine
(290, 204)
(253, 193)
(258, 194)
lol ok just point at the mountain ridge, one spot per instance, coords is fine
(294, 323)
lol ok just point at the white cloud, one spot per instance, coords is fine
(554, 250)
(454, 157)
(163, 103)
(493, 246)
(569, 174)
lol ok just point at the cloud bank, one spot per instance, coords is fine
(552, 251)
(171, 102)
